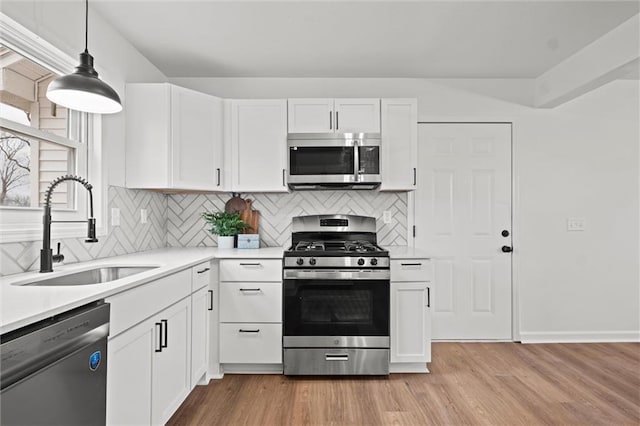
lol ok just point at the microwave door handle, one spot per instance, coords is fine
(356, 160)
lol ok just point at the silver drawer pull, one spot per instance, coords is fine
(411, 264)
(242, 330)
(250, 289)
(336, 357)
(251, 264)
(202, 271)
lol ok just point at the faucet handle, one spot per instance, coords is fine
(58, 257)
(91, 231)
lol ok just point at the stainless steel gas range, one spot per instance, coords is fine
(336, 298)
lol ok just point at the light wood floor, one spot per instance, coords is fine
(470, 383)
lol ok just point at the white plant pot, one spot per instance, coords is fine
(225, 242)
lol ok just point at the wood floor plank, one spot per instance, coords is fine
(469, 384)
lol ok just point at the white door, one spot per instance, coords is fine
(357, 115)
(410, 322)
(200, 301)
(311, 116)
(463, 207)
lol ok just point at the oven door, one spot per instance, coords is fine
(336, 313)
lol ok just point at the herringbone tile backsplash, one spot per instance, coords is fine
(175, 221)
(185, 227)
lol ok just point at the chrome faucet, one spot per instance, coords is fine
(46, 254)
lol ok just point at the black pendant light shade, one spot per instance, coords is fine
(82, 90)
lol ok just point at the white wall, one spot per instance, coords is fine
(578, 160)
(61, 23)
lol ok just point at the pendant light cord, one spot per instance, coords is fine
(86, 26)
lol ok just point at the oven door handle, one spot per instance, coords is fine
(337, 275)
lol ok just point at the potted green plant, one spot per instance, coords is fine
(225, 225)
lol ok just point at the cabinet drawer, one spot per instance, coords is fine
(250, 302)
(133, 306)
(200, 276)
(251, 343)
(411, 270)
(251, 270)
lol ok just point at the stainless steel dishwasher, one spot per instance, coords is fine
(54, 372)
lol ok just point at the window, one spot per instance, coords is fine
(40, 141)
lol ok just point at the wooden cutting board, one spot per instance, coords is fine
(235, 204)
(251, 216)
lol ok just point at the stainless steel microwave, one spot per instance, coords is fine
(333, 160)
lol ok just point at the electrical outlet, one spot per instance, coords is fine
(386, 216)
(115, 216)
(576, 224)
(143, 216)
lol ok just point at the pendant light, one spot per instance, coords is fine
(82, 90)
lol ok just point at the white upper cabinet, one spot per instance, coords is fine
(258, 139)
(334, 115)
(174, 138)
(399, 157)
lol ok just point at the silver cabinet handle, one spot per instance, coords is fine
(330, 124)
(428, 297)
(210, 308)
(414, 176)
(242, 330)
(336, 357)
(218, 173)
(411, 264)
(284, 172)
(251, 264)
(337, 120)
(250, 289)
(202, 271)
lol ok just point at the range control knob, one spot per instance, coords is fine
(374, 261)
(300, 261)
(361, 261)
(312, 261)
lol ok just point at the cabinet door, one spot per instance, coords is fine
(399, 144)
(201, 302)
(311, 116)
(258, 145)
(196, 128)
(357, 115)
(171, 376)
(130, 360)
(409, 322)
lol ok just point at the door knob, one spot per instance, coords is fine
(507, 249)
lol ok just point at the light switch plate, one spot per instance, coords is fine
(143, 216)
(115, 216)
(386, 216)
(576, 224)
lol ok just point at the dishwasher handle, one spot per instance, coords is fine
(31, 348)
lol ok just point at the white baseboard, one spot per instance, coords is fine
(408, 367)
(252, 368)
(580, 337)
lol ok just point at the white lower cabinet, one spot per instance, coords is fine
(250, 343)
(410, 329)
(201, 303)
(158, 348)
(251, 315)
(149, 368)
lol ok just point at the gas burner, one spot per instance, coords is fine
(360, 246)
(310, 246)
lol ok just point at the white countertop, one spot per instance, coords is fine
(22, 305)
(404, 252)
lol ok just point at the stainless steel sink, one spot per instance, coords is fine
(92, 276)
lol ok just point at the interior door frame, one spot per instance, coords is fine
(515, 202)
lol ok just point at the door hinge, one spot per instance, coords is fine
(414, 231)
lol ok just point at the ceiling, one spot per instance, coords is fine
(424, 39)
